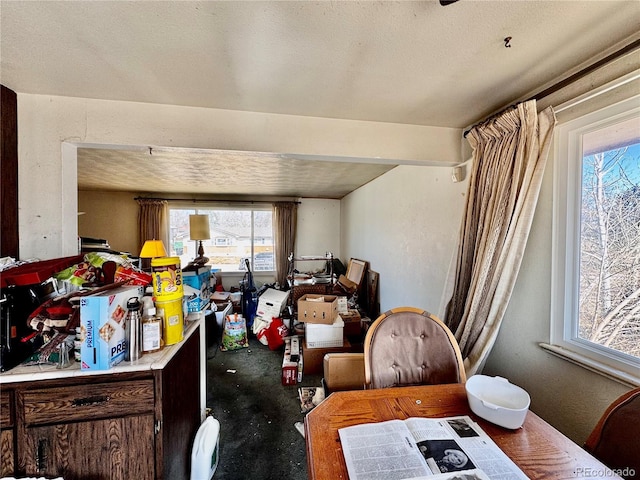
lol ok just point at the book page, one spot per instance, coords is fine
(381, 451)
(458, 444)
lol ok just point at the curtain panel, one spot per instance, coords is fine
(510, 152)
(152, 221)
(285, 219)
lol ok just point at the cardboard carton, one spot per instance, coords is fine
(198, 280)
(343, 371)
(313, 357)
(102, 320)
(313, 308)
(271, 303)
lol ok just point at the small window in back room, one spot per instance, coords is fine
(236, 234)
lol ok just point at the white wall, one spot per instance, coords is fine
(318, 227)
(405, 224)
(47, 178)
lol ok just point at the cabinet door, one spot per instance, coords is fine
(7, 467)
(111, 449)
(7, 460)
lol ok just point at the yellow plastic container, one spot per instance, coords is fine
(172, 314)
(166, 273)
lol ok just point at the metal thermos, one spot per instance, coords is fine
(132, 335)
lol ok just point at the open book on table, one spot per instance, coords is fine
(453, 448)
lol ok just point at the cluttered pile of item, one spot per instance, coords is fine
(98, 309)
(41, 303)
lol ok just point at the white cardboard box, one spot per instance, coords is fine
(318, 335)
(271, 303)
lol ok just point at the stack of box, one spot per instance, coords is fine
(198, 296)
(292, 364)
(323, 327)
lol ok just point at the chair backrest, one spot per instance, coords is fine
(615, 440)
(409, 346)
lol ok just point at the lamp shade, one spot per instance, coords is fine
(153, 249)
(199, 227)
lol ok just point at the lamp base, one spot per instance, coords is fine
(199, 261)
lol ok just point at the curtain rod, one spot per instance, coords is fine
(569, 80)
(203, 200)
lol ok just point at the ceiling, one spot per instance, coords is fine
(407, 62)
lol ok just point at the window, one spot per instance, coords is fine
(236, 234)
(596, 262)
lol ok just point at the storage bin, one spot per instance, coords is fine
(324, 336)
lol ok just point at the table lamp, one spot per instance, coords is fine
(198, 231)
(153, 249)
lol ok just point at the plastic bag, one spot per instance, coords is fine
(276, 333)
(260, 328)
(234, 335)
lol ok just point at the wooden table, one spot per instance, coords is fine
(541, 451)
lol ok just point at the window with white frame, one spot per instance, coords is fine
(596, 258)
(236, 234)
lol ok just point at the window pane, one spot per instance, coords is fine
(609, 303)
(236, 235)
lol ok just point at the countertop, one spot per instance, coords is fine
(148, 361)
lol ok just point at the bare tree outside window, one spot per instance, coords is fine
(609, 301)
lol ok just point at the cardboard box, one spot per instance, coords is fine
(313, 308)
(352, 325)
(324, 336)
(271, 303)
(199, 280)
(343, 371)
(102, 320)
(313, 357)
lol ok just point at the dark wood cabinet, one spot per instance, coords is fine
(112, 426)
(92, 449)
(9, 240)
(7, 436)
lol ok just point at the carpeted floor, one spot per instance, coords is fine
(257, 414)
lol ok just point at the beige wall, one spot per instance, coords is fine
(112, 216)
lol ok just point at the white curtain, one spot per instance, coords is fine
(510, 152)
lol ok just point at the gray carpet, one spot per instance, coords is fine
(258, 439)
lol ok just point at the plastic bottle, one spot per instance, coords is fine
(151, 327)
(132, 330)
(206, 450)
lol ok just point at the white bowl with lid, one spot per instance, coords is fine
(497, 400)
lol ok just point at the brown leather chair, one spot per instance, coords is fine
(410, 346)
(615, 440)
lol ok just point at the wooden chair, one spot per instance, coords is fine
(615, 440)
(410, 346)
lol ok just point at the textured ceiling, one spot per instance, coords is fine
(220, 172)
(408, 62)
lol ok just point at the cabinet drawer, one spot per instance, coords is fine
(87, 402)
(6, 409)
